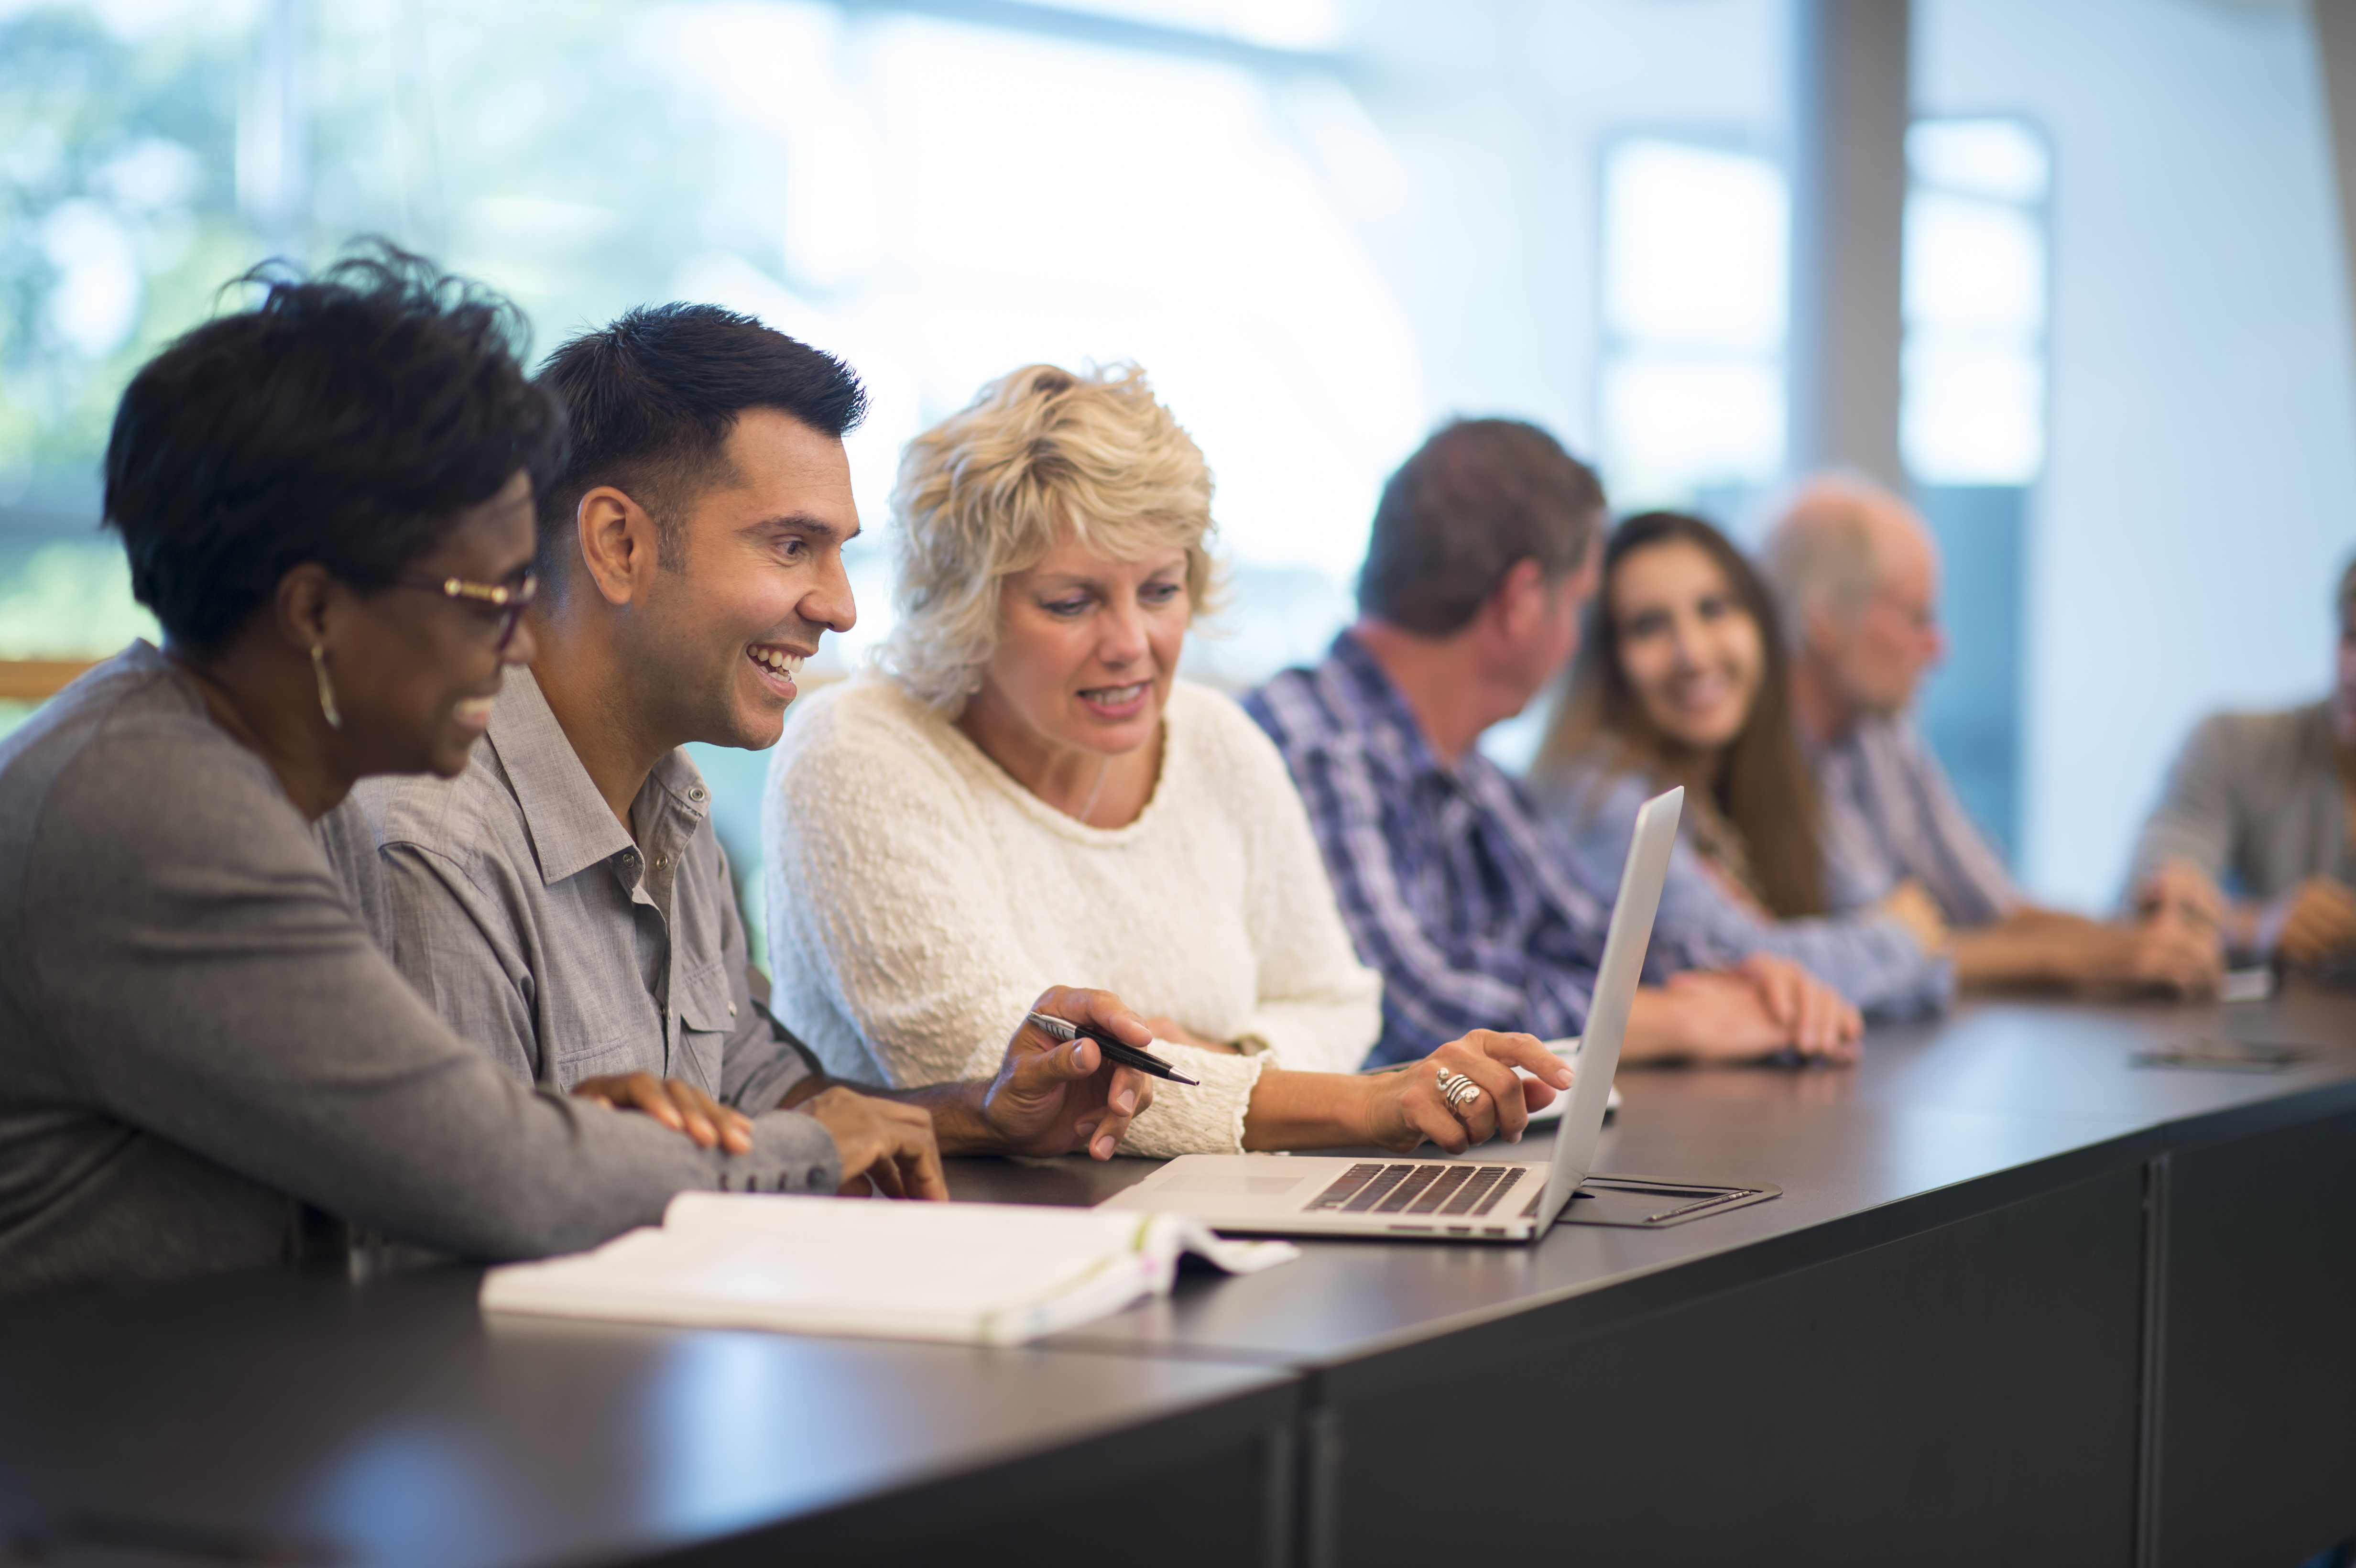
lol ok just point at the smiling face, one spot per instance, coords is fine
(1087, 649)
(1692, 655)
(415, 672)
(758, 578)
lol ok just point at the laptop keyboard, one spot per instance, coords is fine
(1375, 1187)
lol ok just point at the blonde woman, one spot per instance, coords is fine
(1024, 789)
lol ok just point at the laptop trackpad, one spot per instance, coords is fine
(1220, 1181)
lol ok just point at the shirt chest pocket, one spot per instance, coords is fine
(707, 1016)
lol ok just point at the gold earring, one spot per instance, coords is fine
(326, 686)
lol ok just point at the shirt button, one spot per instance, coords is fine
(695, 793)
(732, 1009)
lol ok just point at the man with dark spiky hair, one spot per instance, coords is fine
(564, 902)
(326, 500)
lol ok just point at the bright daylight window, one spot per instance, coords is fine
(939, 201)
(1694, 277)
(1974, 291)
(1972, 427)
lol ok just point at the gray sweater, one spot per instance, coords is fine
(2255, 801)
(199, 1042)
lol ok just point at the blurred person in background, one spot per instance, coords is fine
(1481, 554)
(2262, 808)
(1855, 576)
(1682, 680)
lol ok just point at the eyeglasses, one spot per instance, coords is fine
(509, 599)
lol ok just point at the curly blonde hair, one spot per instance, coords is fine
(1038, 456)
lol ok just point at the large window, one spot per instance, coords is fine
(1973, 428)
(1695, 297)
(939, 201)
(1975, 293)
(1695, 268)
(1180, 183)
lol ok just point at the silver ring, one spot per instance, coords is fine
(1457, 1090)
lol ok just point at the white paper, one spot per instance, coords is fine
(2252, 985)
(968, 1273)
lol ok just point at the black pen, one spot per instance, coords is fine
(1126, 1055)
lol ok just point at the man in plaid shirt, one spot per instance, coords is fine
(1483, 551)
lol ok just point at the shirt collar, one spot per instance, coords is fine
(1371, 688)
(569, 824)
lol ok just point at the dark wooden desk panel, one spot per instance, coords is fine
(1946, 1310)
(1939, 1122)
(394, 1422)
(2255, 1450)
(1931, 1346)
(1845, 1169)
(1928, 1401)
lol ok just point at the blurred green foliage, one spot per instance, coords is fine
(118, 222)
(151, 153)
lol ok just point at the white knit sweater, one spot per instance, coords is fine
(919, 899)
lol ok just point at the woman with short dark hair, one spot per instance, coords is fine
(327, 502)
(1682, 681)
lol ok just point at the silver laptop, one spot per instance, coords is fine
(1463, 1198)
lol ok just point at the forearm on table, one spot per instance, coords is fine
(2035, 947)
(961, 1125)
(1307, 1110)
(1660, 1026)
(486, 1168)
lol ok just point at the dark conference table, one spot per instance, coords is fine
(2020, 1301)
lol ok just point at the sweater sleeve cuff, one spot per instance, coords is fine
(1207, 1118)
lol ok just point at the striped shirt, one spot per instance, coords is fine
(1452, 883)
(1864, 955)
(1889, 799)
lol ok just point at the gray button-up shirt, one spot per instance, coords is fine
(2257, 801)
(198, 1038)
(548, 936)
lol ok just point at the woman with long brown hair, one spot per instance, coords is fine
(1681, 680)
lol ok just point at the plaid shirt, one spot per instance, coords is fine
(1887, 795)
(1452, 884)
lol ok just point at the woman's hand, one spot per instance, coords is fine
(1752, 1012)
(882, 1141)
(681, 1107)
(1819, 1019)
(1405, 1108)
(1912, 907)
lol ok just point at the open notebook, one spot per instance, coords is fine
(986, 1274)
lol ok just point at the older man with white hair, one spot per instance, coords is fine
(1857, 576)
